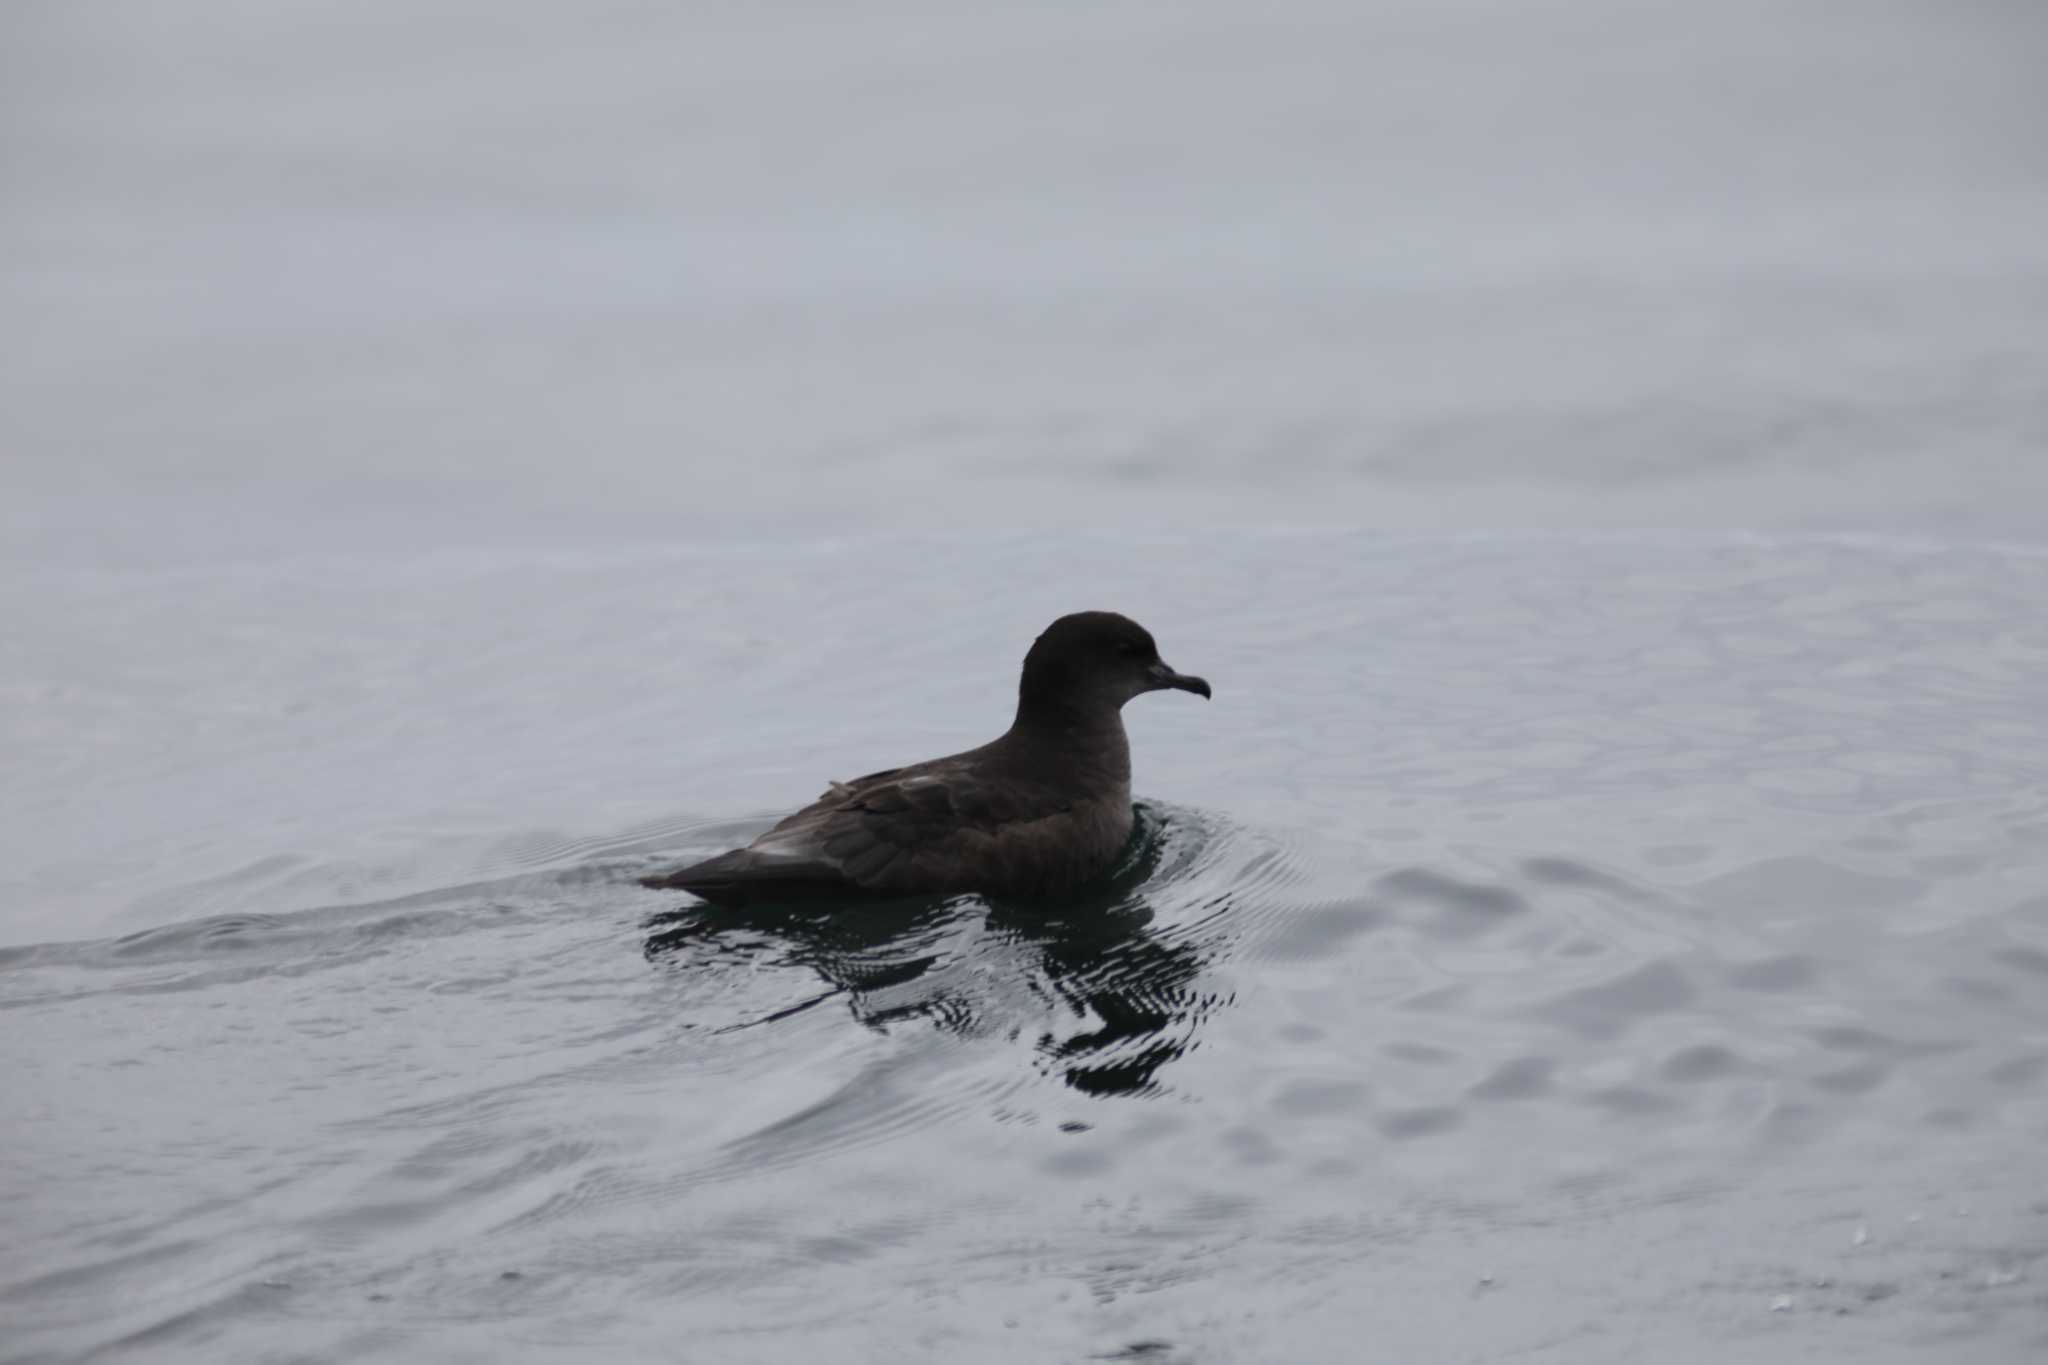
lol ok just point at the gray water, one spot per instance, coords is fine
(1629, 947)
(456, 461)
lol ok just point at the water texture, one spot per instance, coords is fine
(1582, 946)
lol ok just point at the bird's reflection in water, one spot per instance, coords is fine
(1125, 996)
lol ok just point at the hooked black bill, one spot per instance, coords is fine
(1163, 676)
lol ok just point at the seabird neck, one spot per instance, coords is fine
(1082, 744)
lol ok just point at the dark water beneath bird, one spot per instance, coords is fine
(1120, 993)
(1526, 918)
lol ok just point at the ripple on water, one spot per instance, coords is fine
(1486, 982)
(1109, 990)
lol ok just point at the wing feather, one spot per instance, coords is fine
(931, 827)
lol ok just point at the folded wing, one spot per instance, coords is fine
(936, 827)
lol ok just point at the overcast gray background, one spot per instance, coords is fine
(279, 276)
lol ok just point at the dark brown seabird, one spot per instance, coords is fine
(1034, 813)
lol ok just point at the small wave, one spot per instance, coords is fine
(1109, 987)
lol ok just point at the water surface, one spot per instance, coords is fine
(1586, 946)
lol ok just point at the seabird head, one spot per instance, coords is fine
(1096, 659)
